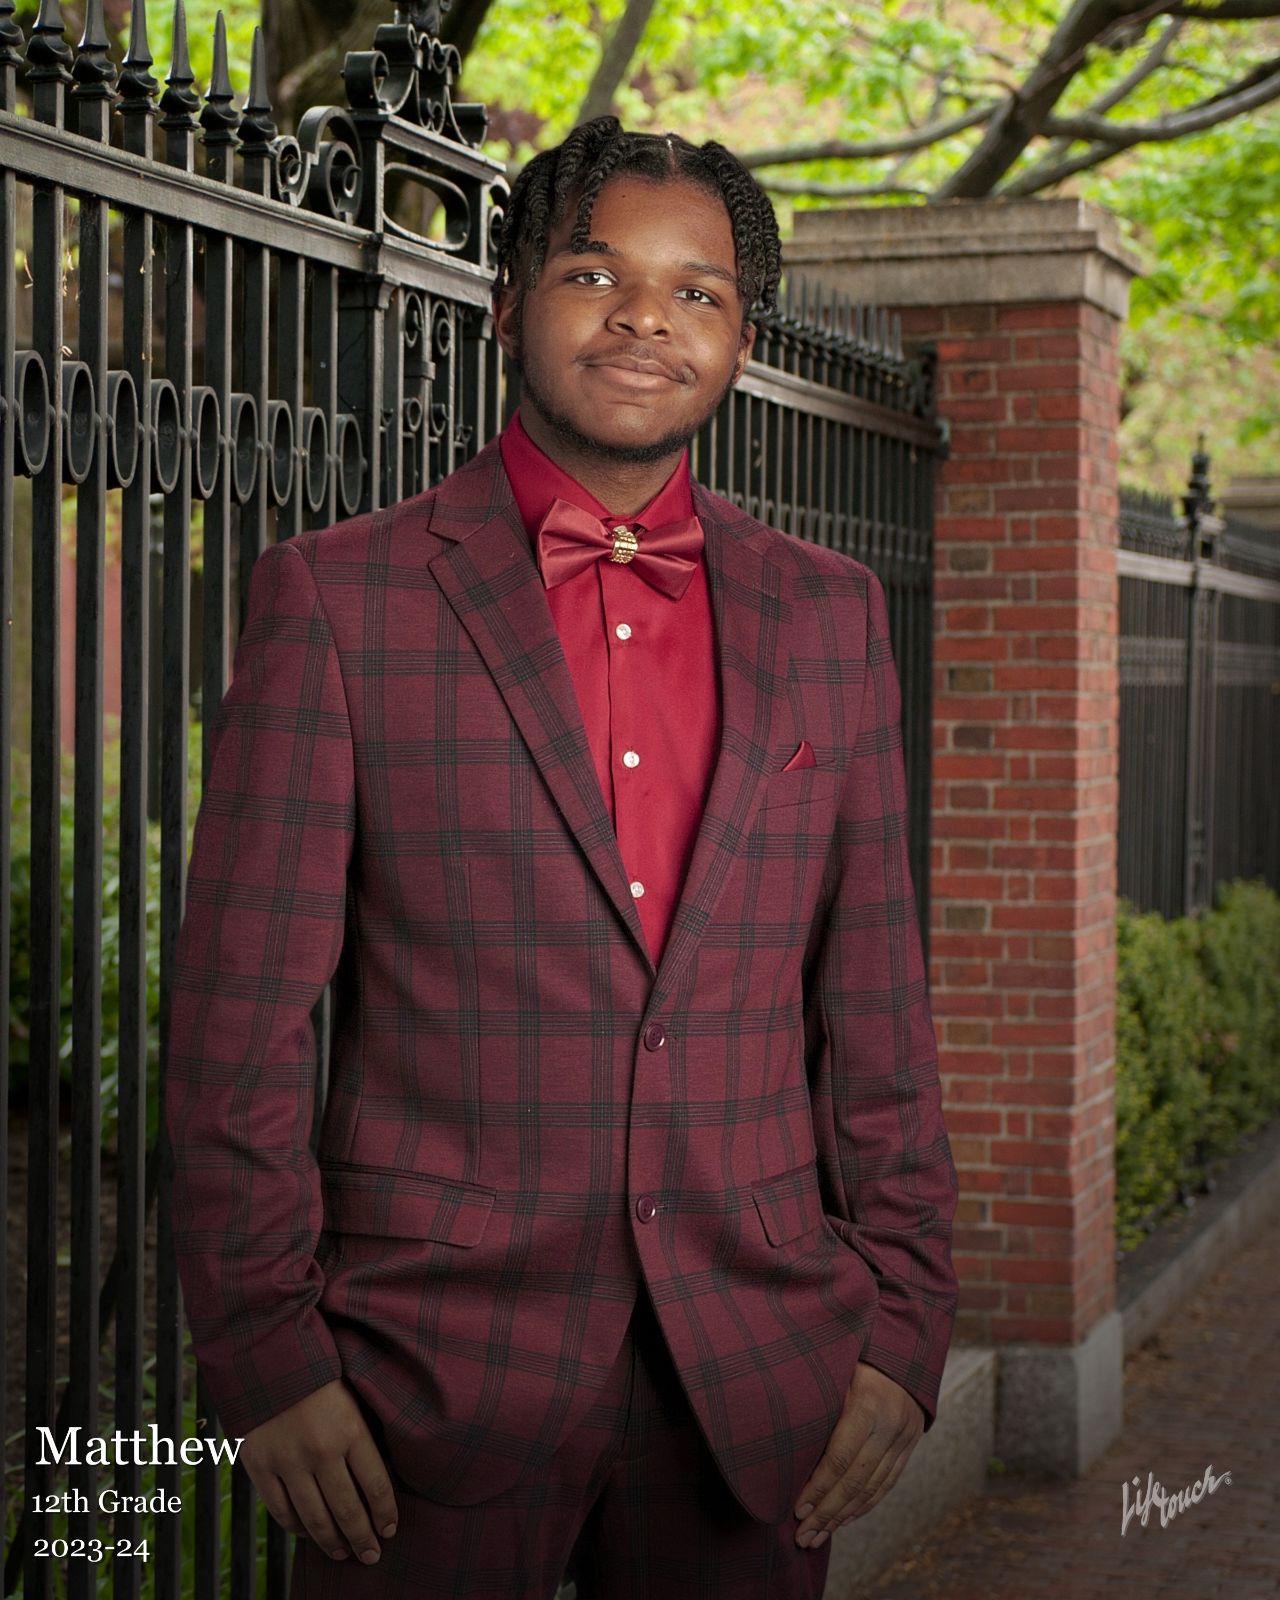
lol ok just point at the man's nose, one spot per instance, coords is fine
(640, 310)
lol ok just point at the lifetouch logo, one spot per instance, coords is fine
(1170, 1504)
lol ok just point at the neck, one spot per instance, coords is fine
(625, 487)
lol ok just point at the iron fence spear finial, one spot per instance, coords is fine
(179, 103)
(9, 29)
(256, 126)
(94, 35)
(1197, 503)
(47, 48)
(94, 73)
(218, 116)
(137, 86)
(10, 53)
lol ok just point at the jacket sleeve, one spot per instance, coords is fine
(260, 938)
(884, 1158)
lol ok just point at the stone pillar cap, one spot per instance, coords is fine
(969, 252)
(1256, 499)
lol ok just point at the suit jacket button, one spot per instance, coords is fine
(646, 1208)
(654, 1038)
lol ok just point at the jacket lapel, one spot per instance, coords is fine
(488, 575)
(752, 654)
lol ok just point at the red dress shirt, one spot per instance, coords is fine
(644, 669)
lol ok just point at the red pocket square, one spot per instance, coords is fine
(803, 757)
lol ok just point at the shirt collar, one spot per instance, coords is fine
(536, 481)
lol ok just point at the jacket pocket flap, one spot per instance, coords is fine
(789, 1205)
(405, 1205)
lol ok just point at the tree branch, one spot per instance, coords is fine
(1264, 86)
(869, 149)
(1153, 59)
(1221, 108)
(1052, 158)
(932, 115)
(1045, 175)
(839, 191)
(1228, 10)
(1023, 114)
(615, 63)
(1263, 70)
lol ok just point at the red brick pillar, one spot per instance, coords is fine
(1024, 301)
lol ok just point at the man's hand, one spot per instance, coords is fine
(312, 1463)
(866, 1452)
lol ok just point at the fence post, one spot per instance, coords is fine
(1024, 301)
(1202, 527)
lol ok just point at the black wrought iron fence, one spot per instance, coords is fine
(1199, 700)
(212, 337)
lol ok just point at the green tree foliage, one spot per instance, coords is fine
(841, 100)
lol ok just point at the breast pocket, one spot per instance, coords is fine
(814, 787)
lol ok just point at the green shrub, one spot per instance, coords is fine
(1197, 1044)
(1240, 953)
(1161, 1040)
(20, 936)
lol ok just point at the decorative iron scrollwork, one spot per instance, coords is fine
(400, 126)
(410, 73)
(321, 169)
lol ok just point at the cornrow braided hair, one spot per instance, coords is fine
(595, 152)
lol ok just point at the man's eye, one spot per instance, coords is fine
(709, 298)
(591, 272)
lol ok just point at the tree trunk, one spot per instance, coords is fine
(307, 42)
(461, 23)
(615, 63)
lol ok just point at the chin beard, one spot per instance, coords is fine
(584, 443)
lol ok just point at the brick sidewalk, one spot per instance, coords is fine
(1204, 1390)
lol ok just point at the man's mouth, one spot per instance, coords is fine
(626, 368)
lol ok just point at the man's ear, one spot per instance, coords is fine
(506, 320)
(745, 346)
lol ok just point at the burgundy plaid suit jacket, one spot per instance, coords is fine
(523, 1118)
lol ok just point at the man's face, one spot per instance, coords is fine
(626, 350)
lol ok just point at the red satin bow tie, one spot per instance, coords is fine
(570, 539)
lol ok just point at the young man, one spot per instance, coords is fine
(626, 1251)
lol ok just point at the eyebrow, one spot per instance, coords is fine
(598, 247)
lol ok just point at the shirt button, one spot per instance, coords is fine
(631, 759)
(637, 889)
(623, 630)
(654, 1038)
(646, 1208)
